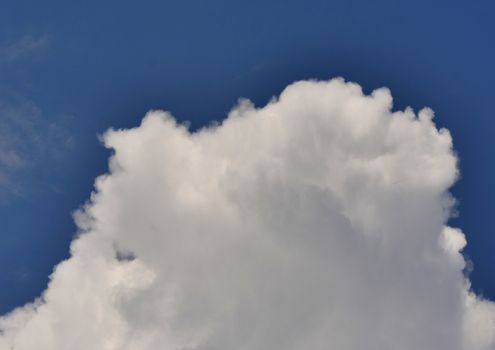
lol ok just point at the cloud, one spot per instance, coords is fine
(315, 222)
(27, 139)
(23, 47)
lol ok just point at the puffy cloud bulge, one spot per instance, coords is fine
(315, 222)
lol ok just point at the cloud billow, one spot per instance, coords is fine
(315, 222)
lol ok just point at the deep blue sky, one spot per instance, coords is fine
(70, 70)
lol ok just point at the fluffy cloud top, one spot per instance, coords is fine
(315, 222)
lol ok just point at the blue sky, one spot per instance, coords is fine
(68, 71)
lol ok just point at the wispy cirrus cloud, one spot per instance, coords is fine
(22, 47)
(27, 139)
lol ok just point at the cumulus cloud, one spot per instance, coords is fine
(315, 222)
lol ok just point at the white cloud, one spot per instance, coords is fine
(315, 222)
